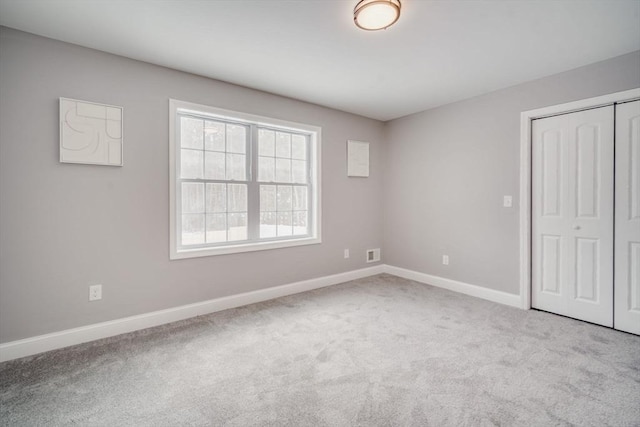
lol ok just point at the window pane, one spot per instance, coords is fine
(236, 167)
(190, 164)
(268, 224)
(283, 145)
(216, 199)
(284, 224)
(237, 223)
(266, 169)
(192, 229)
(300, 223)
(268, 198)
(230, 169)
(216, 228)
(191, 131)
(214, 165)
(237, 197)
(283, 170)
(299, 171)
(192, 197)
(300, 198)
(299, 147)
(284, 198)
(236, 139)
(214, 136)
(266, 143)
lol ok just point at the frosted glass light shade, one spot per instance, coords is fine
(374, 15)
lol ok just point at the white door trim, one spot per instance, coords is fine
(525, 173)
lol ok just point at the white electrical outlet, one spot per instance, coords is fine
(445, 259)
(95, 292)
(507, 202)
(346, 253)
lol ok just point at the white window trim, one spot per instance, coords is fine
(239, 247)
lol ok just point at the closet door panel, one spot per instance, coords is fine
(627, 221)
(590, 222)
(572, 218)
(550, 186)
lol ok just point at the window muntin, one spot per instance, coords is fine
(212, 150)
(282, 159)
(241, 184)
(283, 210)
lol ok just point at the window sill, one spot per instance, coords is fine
(240, 248)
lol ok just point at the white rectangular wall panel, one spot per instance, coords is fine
(627, 225)
(90, 133)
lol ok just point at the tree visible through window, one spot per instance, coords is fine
(240, 182)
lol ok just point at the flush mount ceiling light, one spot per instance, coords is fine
(374, 15)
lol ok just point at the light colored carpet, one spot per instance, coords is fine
(380, 351)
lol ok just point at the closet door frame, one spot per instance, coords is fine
(526, 118)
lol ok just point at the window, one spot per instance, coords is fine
(240, 182)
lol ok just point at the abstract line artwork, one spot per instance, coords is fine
(90, 133)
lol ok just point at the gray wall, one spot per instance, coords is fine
(64, 227)
(448, 168)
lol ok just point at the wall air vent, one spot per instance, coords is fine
(373, 255)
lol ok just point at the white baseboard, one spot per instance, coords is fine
(453, 285)
(39, 344)
(30, 346)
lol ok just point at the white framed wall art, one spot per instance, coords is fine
(357, 158)
(90, 133)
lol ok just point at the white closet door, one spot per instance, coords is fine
(627, 228)
(572, 218)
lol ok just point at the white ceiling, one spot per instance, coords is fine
(437, 53)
